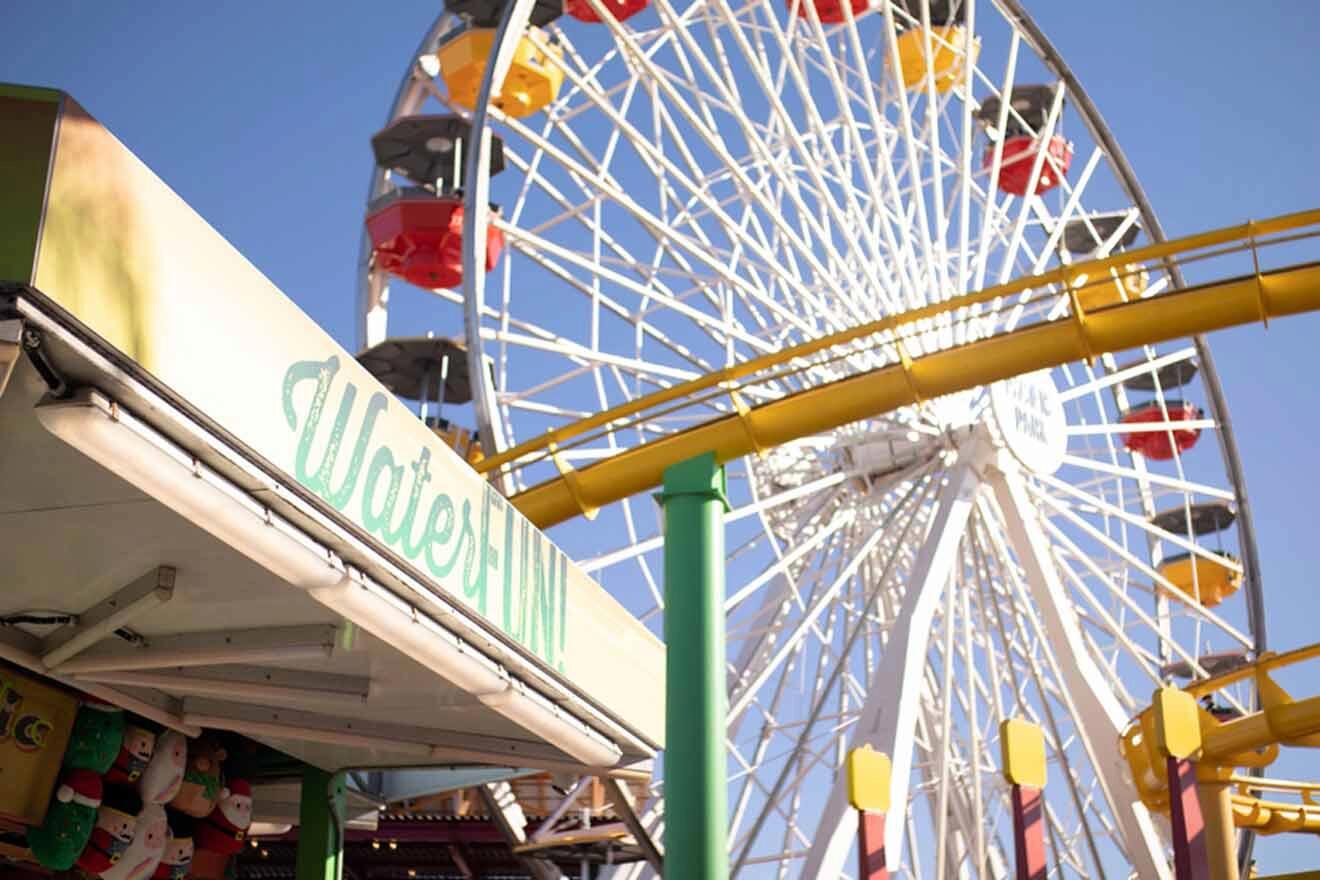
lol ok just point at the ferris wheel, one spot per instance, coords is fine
(671, 188)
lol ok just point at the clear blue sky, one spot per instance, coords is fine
(259, 114)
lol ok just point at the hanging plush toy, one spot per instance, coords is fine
(134, 754)
(57, 842)
(201, 779)
(178, 855)
(161, 780)
(98, 731)
(116, 820)
(144, 852)
(226, 828)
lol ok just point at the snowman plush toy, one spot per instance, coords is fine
(57, 842)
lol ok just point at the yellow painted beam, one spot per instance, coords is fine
(816, 410)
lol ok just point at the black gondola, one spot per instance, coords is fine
(1172, 375)
(424, 149)
(942, 12)
(486, 13)
(411, 367)
(1078, 237)
(1206, 518)
(1032, 105)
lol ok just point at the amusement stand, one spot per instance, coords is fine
(824, 337)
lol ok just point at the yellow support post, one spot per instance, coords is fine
(1220, 833)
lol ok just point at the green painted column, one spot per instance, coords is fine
(320, 826)
(696, 705)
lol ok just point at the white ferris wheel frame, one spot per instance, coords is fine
(1009, 496)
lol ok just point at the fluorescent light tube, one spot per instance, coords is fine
(150, 658)
(197, 686)
(553, 725)
(309, 734)
(128, 447)
(416, 635)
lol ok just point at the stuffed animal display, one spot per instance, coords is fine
(143, 853)
(116, 823)
(134, 754)
(201, 779)
(226, 828)
(138, 802)
(98, 732)
(163, 776)
(178, 855)
(57, 842)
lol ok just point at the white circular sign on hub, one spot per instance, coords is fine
(1029, 414)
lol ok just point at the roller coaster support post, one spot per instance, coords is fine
(1022, 755)
(696, 703)
(1178, 739)
(869, 775)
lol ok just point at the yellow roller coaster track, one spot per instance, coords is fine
(1069, 333)
(1252, 739)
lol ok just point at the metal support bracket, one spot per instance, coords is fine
(153, 589)
(279, 644)
(623, 804)
(502, 805)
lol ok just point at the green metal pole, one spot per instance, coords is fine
(320, 826)
(696, 705)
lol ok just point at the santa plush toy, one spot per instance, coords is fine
(116, 820)
(70, 818)
(144, 852)
(163, 776)
(226, 828)
(178, 855)
(134, 754)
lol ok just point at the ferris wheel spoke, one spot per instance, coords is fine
(1121, 473)
(1141, 523)
(714, 143)
(759, 672)
(541, 250)
(994, 207)
(1118, 376)
(1031, 665)
(889, 724)
(1089, 696)
(855, 218)
(1134, 562)
(665, 235)
(885, 580)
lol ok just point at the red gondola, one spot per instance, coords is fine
(418, 236)
(1020, 156)
(830, 11)
(1159, 444)
(620, 9)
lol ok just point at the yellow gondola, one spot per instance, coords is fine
(946, 54)
(1215, 580)
(533, 80)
